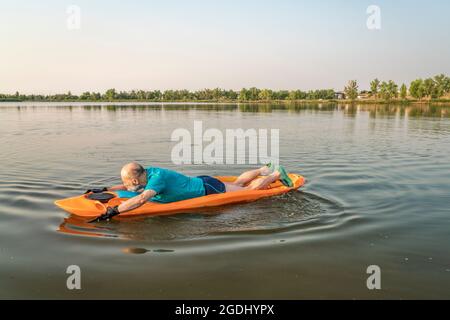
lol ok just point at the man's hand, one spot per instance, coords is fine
(108, 215)
(96, 190)
(128, 205)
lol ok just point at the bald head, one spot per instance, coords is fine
(132, 170)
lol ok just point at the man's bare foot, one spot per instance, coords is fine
(276, 174)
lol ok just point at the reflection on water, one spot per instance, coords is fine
(377, 193)
(74, 225)
(374, 110)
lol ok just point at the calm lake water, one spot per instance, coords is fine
(378, 193)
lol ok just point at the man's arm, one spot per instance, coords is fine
(128, 205)
(137, 201)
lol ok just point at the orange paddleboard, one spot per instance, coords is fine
(84, 207)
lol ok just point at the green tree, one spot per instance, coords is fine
(446, 85)
(403, 92)
(388, 90)
(266, 95)
(351, 90)
(293, 95)
(156, 95)
(297, 95)
(393, 89)
(97, 96)
(231, 95)
(254, 94)
(110, 94)
(141, 95)
(170, 95)
(416, 89)
(217, 94)
(330, 94)
(244, 95)
(429, 87)
(374, 87)
(282, 95)
(384, 91)
(85, 95)
(440, 85)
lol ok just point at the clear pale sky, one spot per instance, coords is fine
(194, 44)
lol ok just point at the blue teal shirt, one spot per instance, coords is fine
(171, 186)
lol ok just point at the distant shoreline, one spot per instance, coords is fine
(443, 102)
(434, 90)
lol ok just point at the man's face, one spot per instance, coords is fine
(132, 185)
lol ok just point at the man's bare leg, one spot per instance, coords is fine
(244, 179)
(250, 181)
(231, 187)
(264, 182)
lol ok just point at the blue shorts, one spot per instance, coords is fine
(212, 185)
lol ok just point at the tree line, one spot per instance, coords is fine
(252, 94)
(433, 88)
